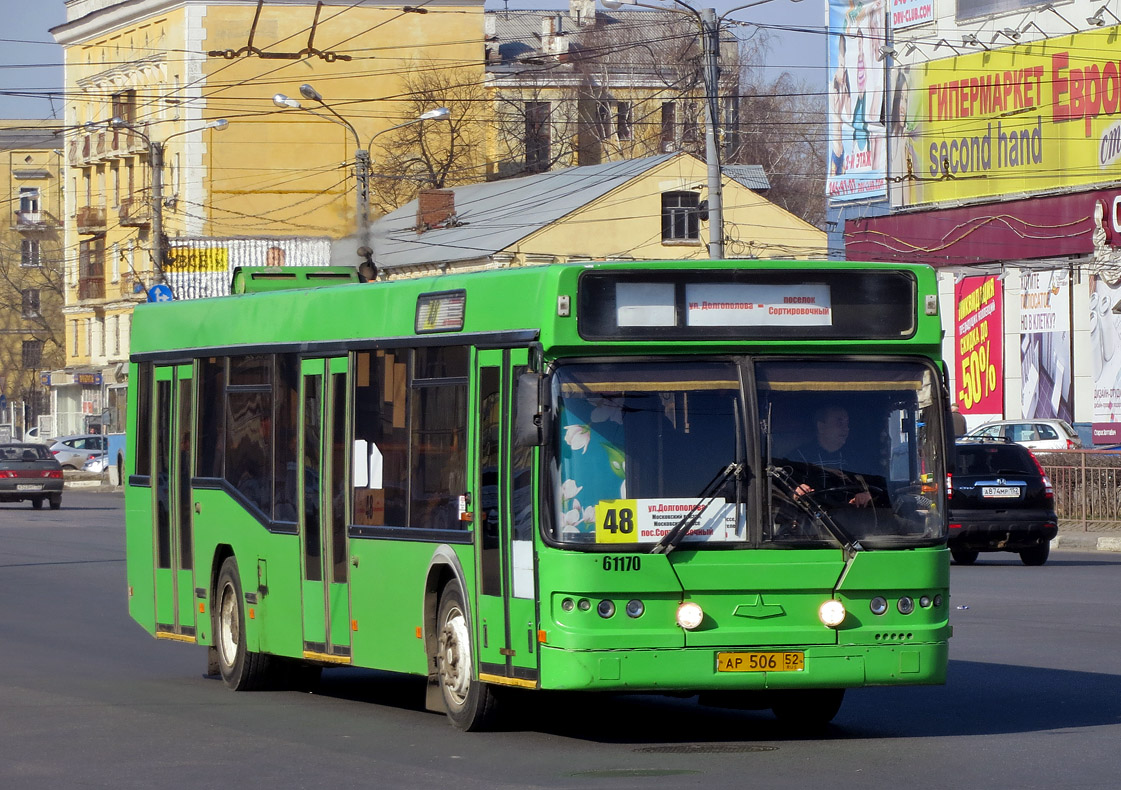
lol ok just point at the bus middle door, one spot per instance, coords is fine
(322, 457)
(506, 630)
(174, 543)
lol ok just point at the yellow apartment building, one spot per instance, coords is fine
(146, 78)
(31, 255)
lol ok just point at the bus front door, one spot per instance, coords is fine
(322, 457)
(174, 544)
(506, 623)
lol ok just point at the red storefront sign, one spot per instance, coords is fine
(979, 351)
(1044, 227)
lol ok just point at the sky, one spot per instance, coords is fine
(30, 62)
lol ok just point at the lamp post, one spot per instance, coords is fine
(155, 163)
(361, 156)
(709, 26)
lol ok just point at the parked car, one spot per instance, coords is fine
(73, 451)
(1044, 434)
(1000, 500)
(30, 473)
(98, 464)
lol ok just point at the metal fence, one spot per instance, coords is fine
(1087, 488)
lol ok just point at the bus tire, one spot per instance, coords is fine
(807, 708)
(469, 703)
(241, 669)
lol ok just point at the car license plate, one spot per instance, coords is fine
(1000, 492)
(786, 661)
(29, 488)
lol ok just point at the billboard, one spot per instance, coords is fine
(979, 345)
(1105, 358)
(1047, 382)
(1016, 120)
(857, 136)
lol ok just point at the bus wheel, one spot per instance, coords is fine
(807, 708)
(469, 703)
(241, 669)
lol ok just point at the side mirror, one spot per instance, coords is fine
(534, 421)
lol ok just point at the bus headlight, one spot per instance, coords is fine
(690, 615)
(832, 613)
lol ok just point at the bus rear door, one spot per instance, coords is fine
(322, 457)
(506, 623)
(174, 572)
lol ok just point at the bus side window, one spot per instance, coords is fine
(381, 436)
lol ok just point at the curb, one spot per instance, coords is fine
(1086, 542)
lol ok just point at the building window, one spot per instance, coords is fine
(30, 298)
(624, 120)
(689, 124)
(32, 354)
(91, 268)
(669, 121)
(603, 120)
(680, 220)
(124, 105)
(29, 253)
(29, 200)
(537, 143)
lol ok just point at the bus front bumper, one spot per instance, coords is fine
(695, 669)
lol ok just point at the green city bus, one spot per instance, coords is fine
(724, 478)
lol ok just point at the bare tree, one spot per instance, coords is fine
(31, 330)
(433, 154)
(782, 127)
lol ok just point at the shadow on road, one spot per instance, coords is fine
(979, 699)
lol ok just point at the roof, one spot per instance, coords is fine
(751, 176)
(33, 134)
(495, 215)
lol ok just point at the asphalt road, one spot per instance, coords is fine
(87, 699)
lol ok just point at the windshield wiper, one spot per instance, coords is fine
(679, 530)
(812, 508)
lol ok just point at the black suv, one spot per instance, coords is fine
(1000, 500)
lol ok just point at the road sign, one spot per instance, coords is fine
(160, 293)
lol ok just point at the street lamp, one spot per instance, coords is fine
(361, 155)
(709, 24)
(155, 163)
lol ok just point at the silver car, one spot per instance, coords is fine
(1041, 434)
(73, 451)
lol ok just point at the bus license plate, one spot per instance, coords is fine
(29, 488)
(788, 661)
(1000, 492)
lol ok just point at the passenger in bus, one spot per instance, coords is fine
(827, 461)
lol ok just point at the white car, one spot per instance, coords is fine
(98, 464)
(1042, 434)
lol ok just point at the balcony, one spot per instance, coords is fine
(135, 213)
(91, 288)
(91, 219)
(102, 144)
(33, 221)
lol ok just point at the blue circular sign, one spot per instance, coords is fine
(160, 293)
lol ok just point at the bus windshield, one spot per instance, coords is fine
(639, 443)
(851, 449)
(845, 453)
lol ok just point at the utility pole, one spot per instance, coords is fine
(710, 36)
(155, 161)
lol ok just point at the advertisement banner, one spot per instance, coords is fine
(979, 364)
(1105, 358)
(907, 13)
(1007, 121)
(857, 137)
(1045, 365)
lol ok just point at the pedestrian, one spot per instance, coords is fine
(958, 419)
